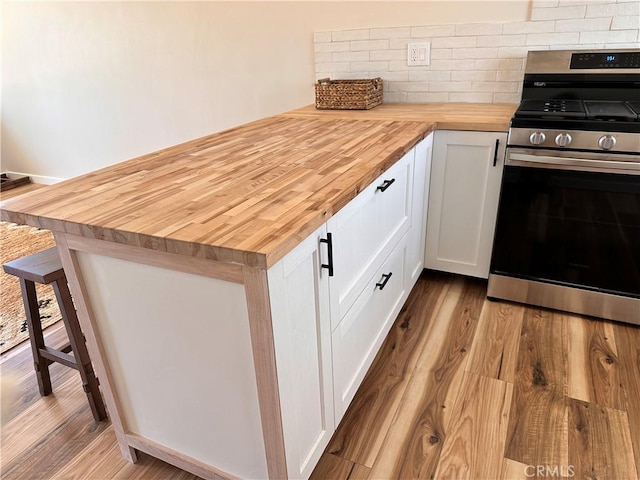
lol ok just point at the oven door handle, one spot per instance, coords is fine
(572, 163)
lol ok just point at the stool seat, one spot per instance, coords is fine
(45, 267)
(42, 267)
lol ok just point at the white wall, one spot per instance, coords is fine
(89, 84)
(474, 62)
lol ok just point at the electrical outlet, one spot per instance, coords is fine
(418, 53)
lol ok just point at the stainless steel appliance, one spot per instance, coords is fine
(568, 230)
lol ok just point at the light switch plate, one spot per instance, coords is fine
(418, 53)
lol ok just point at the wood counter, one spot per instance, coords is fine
(250, 194)
(487, 117)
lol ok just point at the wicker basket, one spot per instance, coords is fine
(348, 94)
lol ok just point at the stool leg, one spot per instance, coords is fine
(79, 348)
(36, 338)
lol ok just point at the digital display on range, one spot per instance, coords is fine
(592, 60)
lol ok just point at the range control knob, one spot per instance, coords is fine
(563, 140)
(536, 138)
(607, 142)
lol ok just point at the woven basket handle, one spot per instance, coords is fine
(324, 80)
(377, 83)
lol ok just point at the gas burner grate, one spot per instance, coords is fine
(554, 107)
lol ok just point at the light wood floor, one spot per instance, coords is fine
(462, 388)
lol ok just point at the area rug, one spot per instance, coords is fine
(18, 241)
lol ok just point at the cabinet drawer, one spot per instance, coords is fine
(365, 231)
(358, 337)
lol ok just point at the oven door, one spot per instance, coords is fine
(570, 219)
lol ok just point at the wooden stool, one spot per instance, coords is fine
(45, 267)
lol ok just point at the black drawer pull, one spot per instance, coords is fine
(386, 184)
(385, 279)
(329, 242)
(495, 152)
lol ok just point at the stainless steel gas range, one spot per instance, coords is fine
(568, 230)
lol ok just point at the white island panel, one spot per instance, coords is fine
(178, 348)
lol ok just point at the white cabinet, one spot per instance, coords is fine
(463, 200)
(420, 196)
(299, 296)
(328, 329)
(365, 231)
(361, 332)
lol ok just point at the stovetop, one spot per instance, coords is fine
(593, 115)
(585, 109)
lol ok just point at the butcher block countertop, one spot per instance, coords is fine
(486, 117)
(249, 194)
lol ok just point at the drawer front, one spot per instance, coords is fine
(358, 337)
(365, 231)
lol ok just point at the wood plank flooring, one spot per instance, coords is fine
(462, 388)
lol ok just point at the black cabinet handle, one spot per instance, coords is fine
(329, 242)
(386, 184)
(495, 152)
(385, 279)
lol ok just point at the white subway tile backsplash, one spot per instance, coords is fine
(474, 76)
(400, 43)
(369, 66)
(359, 45)
(500, 97)
(450, 65)
(545, 3)
(324, 57)
(399, 65)
(333, 67)
(494, 87)
(470, 97)
(441, 53)
(430, 97)
(348, 35)
(476, 62)
(393, 76)
(622, 45)
(510, 75)
(461, 53)
(388, 55)
(626, 22)
(453, 42)
(430, 76)
(583, 25)
(502, 41)
(553, 38)
(449, 86)
(478, 29)
(433, 31)
(518, 52)
(395, 97)
(613, 9)
(409, 87)
(559, 13)
(395, 32)
(528, 27)
(350, 57)
(614, 36)
(331, 47)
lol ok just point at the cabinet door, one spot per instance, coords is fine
(365, 231)
(359, 336)
(420, 197)
(463, 200)
(299, 294)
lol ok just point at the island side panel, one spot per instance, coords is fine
(94, 344)
(179, 353)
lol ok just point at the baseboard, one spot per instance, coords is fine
(41, 179)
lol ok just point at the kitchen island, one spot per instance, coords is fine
(203, 278)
